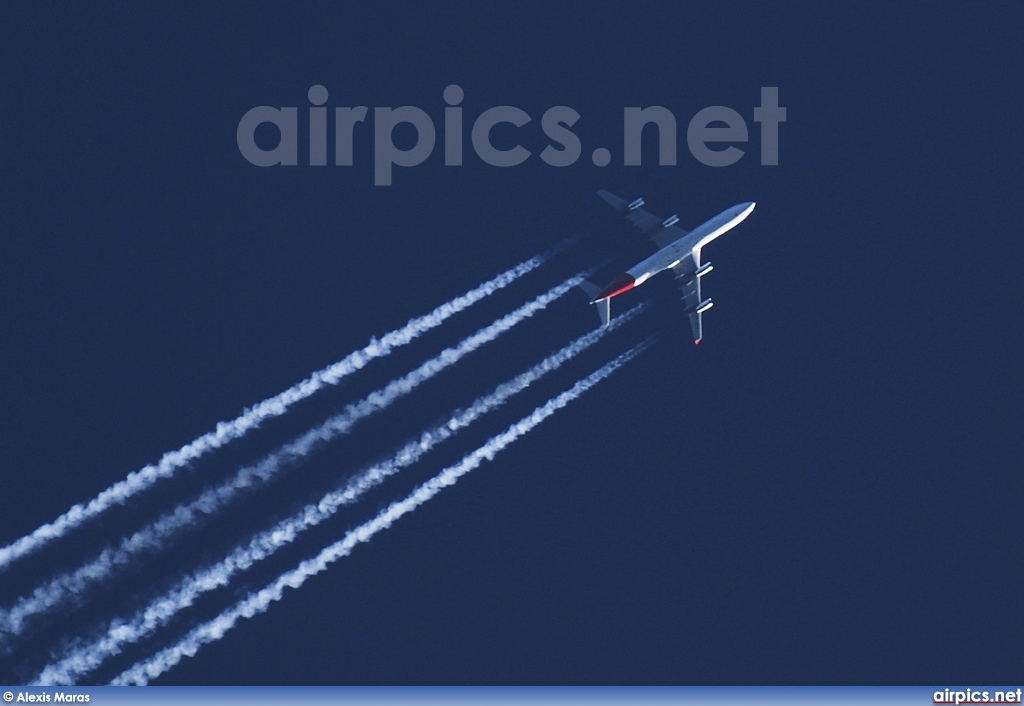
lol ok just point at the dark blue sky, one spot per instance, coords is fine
(827, 491)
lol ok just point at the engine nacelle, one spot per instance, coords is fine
(703, 306)
(636, 204)
(689, 277)
(670, 221)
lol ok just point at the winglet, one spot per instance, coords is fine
(698, 327)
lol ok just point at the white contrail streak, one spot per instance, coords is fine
(153, 537)
(139, 480)
(85, 658)
(260, 601)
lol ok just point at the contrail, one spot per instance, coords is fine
(153, 537)
(260, 601)
(139, 480)
(85, 658)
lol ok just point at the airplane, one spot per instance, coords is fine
(679, 251)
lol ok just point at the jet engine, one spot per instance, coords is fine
(703, 306)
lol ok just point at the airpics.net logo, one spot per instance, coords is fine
(977, 696)
(711, 135)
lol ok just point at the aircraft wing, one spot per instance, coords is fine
(689, 284)
(650, 225)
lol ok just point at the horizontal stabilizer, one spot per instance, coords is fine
(604, 310)
(604, 307)
(590, 288)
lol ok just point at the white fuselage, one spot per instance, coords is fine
(690, 244)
